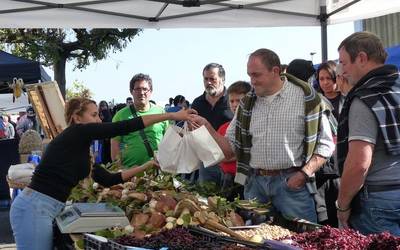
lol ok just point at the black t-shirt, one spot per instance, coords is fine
(217, 115)
(66, 159)
(336, 102)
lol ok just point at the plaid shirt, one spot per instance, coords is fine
(380, 91)
(277, 128)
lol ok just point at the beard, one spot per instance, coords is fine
(350, 80)
(213, 91)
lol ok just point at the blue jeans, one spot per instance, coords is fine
(210, 174)
(31, 216)
(379, 211)
(297, 203)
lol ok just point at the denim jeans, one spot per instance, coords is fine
(230, 190)
(297, 203)
(379, 211)
(210, 174)
(31, 216)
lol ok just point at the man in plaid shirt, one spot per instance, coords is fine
(280, 136)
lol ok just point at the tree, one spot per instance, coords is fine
(54, 47)
(78, 89)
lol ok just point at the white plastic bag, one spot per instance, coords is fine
(21, 172)
(175, 155)
(206, 148)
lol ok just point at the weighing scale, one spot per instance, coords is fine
(90, 217)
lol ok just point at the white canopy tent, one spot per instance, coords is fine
(13, 107)
(189, 13)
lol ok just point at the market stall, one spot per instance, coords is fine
(12, 66)
(165, 212)
(160, 210)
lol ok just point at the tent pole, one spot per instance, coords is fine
(324, 33)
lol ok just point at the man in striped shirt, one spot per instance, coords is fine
(369, 138)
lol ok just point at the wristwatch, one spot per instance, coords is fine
(338, 208)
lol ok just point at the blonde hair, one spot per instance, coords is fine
(78, 106)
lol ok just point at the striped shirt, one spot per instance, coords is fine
(277, 127)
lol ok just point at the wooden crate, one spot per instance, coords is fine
(48, 104)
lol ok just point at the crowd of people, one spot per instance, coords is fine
(321, 145)
(26, 120)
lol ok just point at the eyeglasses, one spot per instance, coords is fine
(140, 90)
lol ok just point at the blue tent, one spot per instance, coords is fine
(393, 55)
(13, 66)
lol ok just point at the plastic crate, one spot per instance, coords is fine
(294, 224)
(204, 234)
(212, 236)
(115, 246)
(94, 242)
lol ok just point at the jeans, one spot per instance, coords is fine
(298, 203)
(379, 211)
(230, 190)
(210, 174)
(31, 216)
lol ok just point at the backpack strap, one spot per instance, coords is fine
(142, 134)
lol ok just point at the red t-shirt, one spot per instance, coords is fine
(230, 166)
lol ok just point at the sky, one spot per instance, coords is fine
(175, 58)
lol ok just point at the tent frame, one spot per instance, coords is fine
(322, 17)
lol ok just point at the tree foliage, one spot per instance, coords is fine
(54, 47)
(78, 89)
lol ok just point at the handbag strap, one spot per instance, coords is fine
(142, 134)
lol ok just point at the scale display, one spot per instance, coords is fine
(90, 217)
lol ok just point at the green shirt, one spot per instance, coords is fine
(132, 149)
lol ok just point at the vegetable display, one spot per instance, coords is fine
(346, 239)
(152, 203)
(177, 239)
(160, 208)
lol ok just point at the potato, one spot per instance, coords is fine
(139, 234)
(115, 193)
(236, 220)
(157, 220)
(165, 203)
(139, 220)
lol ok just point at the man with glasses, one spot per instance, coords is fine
(136, 148)
(214, 106)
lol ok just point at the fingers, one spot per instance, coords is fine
(192, 111)
(156, 165)
(193, 125)
(151, 164)
(344, 224)
(343, 218)
(196, 125)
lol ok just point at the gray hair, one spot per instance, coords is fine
(221, 70)
(364, 42)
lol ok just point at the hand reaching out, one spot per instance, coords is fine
(151, 164)
(197, 121)
(183, 114)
